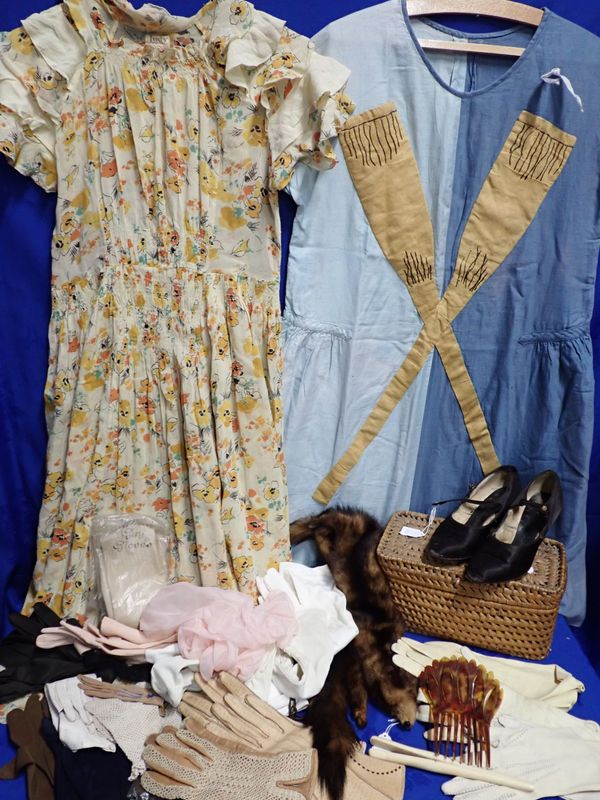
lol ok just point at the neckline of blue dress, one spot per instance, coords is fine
(509, 73)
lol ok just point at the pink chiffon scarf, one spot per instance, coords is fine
(221, 629)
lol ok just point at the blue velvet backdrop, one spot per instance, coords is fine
(26, 219)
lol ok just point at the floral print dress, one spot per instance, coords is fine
(166, 139)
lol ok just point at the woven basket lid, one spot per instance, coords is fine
(404, 557)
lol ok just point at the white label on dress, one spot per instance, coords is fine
(164, 41)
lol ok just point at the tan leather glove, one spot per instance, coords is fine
(183, 766)
(228, 709)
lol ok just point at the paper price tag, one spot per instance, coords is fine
(414, 533)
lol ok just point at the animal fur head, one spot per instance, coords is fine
(347, 540)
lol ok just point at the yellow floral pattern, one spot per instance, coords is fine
(166, 140)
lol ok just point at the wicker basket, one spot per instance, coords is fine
(517, 617)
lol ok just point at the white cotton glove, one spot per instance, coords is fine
(73, 723)
(549, 683)
(557, 762)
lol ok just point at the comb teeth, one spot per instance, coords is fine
(463, 697)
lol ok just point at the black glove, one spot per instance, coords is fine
(28, 667)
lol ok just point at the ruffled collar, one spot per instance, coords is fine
(237, 15)
(151, 18)
(240, 37)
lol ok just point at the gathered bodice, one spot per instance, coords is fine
(173, 135)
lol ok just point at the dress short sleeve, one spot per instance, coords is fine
(303, 92)
(36, 61)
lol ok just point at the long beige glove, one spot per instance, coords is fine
(227, 709)
(547, 682)
(183, 766)
(413, 656)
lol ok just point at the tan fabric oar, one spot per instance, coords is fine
(385, 175)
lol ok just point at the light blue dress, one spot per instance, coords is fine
(349, 320)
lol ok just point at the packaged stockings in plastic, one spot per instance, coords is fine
(131, 561)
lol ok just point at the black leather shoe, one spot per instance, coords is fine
(509, 552)
(460, 534)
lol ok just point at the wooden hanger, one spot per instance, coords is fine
(502, 9)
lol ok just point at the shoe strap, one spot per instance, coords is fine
(491, 503)
(530, 504)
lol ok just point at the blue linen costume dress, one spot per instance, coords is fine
(524, 335)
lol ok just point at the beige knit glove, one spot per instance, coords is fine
(183, 766)
(228, 709)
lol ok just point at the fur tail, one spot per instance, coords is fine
(333, 736)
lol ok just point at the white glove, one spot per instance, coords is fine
(557, 762)
(325, 626)
(73, 723)
(547, 682)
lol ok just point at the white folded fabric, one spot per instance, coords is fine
(325, 627)
(171, 673)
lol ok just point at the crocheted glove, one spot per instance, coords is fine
(556, 761)
(130, 724)
(183, 766)
(228, 709)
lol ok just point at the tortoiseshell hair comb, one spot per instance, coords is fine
(463, 698)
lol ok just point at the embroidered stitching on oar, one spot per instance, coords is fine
(536, 154)
(376, 137)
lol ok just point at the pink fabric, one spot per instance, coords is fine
(219, 628)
